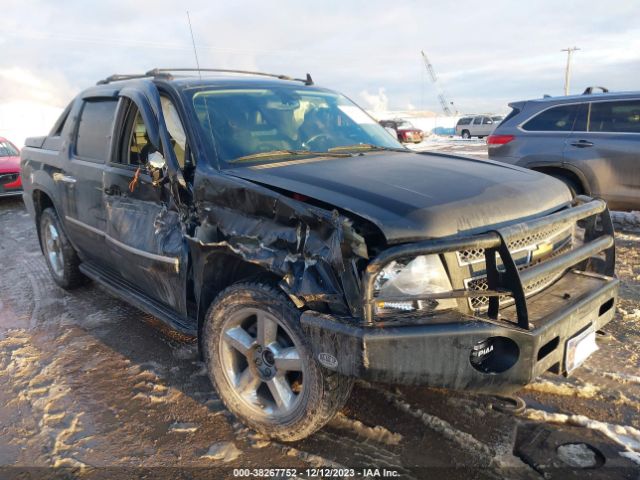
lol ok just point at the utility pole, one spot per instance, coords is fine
(567, 73)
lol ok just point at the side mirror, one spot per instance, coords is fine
(156, 163)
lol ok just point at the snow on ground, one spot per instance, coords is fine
(625, 435)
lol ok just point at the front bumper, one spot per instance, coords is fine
(439, 355)
(494, 352)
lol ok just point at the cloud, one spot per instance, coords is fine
(376, 102)
(485, 57)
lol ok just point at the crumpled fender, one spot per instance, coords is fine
(310, 248)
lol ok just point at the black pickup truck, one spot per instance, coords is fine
(304, 246)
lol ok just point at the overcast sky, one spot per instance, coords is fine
(485, 53)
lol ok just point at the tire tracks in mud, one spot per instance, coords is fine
(138, 383)
(35, 384)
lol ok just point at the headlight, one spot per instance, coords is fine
(418, 276)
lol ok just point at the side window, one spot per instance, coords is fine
(477, 120)
(556, 119)
(464, 121)
(94, 129)
(615, 117)
(486, 121)
(135, 146)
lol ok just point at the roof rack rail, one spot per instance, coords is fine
(159, 71)
(589, 90)
(120, 77)
(166, 73)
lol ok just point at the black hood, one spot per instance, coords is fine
(412, 196)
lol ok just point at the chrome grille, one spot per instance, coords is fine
(527, 242)
(474, 255)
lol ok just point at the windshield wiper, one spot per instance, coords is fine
(279, 153)
(366, 146)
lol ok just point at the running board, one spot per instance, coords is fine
(129, 293)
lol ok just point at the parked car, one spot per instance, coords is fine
(590, 141)
(304, 246)
(10, 183)
(405, 130)
(477, 125)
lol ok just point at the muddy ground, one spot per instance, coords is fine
(94, 387)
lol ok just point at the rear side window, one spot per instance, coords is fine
(615, 117)
(556, 119)
(464, 121)
(94, 129)
(477, 120)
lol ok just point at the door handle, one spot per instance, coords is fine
(582, 144)
(112, 190)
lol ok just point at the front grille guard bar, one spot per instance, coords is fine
(598, 238)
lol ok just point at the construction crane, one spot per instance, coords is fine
(447, 107)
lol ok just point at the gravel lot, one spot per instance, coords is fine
(94, 386)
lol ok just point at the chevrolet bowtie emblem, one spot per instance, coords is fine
(542, 250)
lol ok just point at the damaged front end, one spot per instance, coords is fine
(540, 315)
(247, 231)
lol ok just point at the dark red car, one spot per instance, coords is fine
(406, 132)
(10, 182)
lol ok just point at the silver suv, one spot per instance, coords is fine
(589, 141)
(477, 125)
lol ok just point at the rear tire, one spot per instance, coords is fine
(262, 366)
(60, 256)
(465, 134)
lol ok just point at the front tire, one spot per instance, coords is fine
(466, 134)
(262, 366)
(60, 256)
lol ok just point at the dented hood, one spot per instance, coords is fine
(412, 196)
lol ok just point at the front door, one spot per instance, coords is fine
(144, 234)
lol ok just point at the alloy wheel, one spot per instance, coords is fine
(53, 248)
(261, 362)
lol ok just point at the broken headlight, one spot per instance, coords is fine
(423, 275)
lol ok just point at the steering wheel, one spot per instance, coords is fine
(315, 138)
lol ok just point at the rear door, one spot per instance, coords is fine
(606, 148)
(82, 180)
(544, 136)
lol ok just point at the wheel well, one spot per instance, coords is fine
(41, 201)
(563, 172)
(222, 271)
